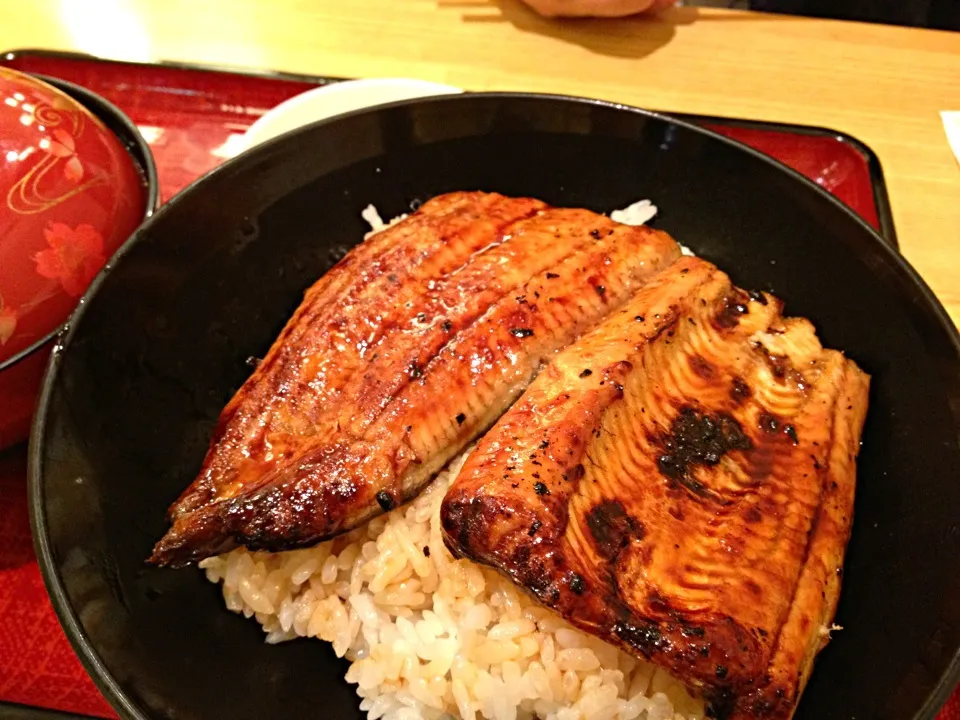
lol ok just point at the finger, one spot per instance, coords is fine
(598, 8)
(594, 8)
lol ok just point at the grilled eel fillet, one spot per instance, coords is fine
(398, 357)
(680, 482)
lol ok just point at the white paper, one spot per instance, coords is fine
(951, 123)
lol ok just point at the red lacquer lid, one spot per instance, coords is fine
(70, 195)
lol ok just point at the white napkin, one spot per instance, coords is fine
(951, 123)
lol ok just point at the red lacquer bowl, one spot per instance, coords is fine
(76, 179)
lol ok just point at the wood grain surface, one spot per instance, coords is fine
(884, 85)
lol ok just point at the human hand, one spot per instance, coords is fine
(596, 8)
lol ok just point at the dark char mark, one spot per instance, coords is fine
(758, 296)
(791, 432)
(613, 528)
(386, 500)
(752, 515)
(740, 390)
(646, 638)
(702, 367)
(778, 364)
(768, 423)
(697, 438)
(734, 306)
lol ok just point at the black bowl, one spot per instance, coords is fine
(161, 343)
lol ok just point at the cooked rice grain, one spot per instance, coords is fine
(432, 637)
(639, 213)
(371, 216)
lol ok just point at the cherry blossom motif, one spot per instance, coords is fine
(8, 322)
(74, 256)
(63, 146)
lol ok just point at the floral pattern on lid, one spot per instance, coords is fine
(37, 190)
(70, 196)
(74, 256)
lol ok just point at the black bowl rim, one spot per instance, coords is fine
(91, 661)
(135, 145)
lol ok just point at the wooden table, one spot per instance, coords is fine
(884, 85)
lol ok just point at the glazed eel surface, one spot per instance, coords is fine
(399, 356)
(680, 482)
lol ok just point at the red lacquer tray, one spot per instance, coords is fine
(192, 118)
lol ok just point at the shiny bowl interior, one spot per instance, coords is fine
(161, 342)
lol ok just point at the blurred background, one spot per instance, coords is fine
(940, 14)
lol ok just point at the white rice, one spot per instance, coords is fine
(371, 216)
(432, 637)
(640, 213)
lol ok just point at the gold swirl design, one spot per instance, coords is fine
(54, 114)
(47, 115)
(25, 197)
